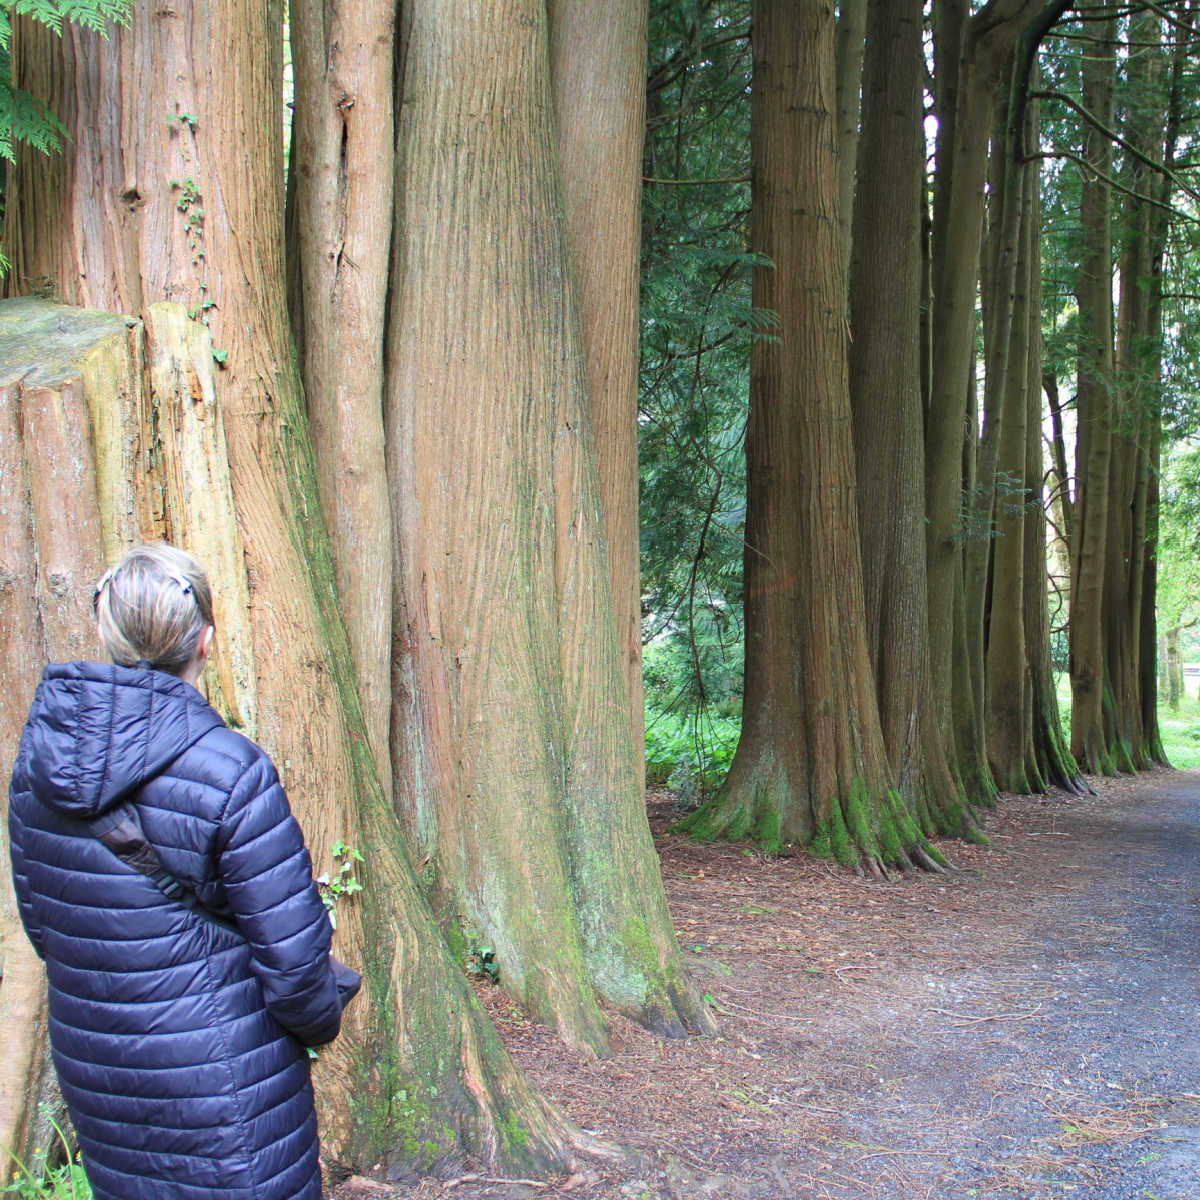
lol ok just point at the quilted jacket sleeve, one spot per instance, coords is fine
(267, 876)
(20, 878)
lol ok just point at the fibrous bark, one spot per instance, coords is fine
(52, 372)
(597, 69)
(885, 390)
(1089, 741)
(341, 168)
(419, 1073)
(505, 636)
(971, 53)
(811, 766)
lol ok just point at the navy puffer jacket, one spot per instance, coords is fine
(179, 1044)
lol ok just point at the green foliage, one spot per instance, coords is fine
(1178, 593)
(342, 883)
(44, 1180)
(23, 118)
(482, 964)
(54, 14)
(698, 324)
(690, 740)
(26, 119)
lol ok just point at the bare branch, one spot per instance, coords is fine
(1123, 142)
(694, 182)
(1116, 185)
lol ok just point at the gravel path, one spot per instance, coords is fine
(1024, 1026)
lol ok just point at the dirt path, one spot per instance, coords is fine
(1023, 1026)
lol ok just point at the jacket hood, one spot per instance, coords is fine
(98, 732)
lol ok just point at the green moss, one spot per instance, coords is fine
(839, 838)
(637, 942)
(901, 829)
(456, 940)
(974, 834)
(768, 832)
(860, 818)
(953, 817)
(738, 824)
(513, 1134)
(1122, 756)
(822, 844)
(700, 825)
(889, 839)
(910, 831)
(391, 1115)
(934, 853)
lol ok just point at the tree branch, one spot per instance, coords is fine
(694, 182)
(1116, 185)
(1123, 142)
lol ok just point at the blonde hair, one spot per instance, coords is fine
(153, 607)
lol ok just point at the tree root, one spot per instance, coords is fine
(926, 862)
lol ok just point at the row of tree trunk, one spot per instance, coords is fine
(406, 450)
(433, 640)
(897, 628)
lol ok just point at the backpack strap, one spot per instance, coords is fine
(120, 829)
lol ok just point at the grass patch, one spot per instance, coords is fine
(1180, 729)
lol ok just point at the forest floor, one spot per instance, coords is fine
(1025, 1025)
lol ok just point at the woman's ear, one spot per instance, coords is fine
(206, 641)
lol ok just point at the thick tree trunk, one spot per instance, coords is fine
(1151, 120)
(970, 52)
(1174, 655)
(811, 763)
(1051, 756)
(597, 67)
(57, 367)
(504, 629)
(969, 71)
(418, 1073)
(1089, 740)
(885, 390)
(342, 143)
(1008, 686)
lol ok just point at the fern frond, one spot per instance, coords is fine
(89, 14)
(23, 118)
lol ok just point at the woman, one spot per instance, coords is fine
(179, 1042)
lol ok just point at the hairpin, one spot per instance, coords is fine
(101, 584)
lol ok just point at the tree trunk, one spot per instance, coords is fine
(970, 61)
(419, 1073)
(58, 366)
(597, 67)
(1051, 761)
(1175, 685)
(1008, 686)
(342, 144)
(885, 390)
(504, 629)
(852, 23)
(811, 763)
(1023, 736)
(1089, 741)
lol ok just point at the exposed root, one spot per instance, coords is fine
(927, 863)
